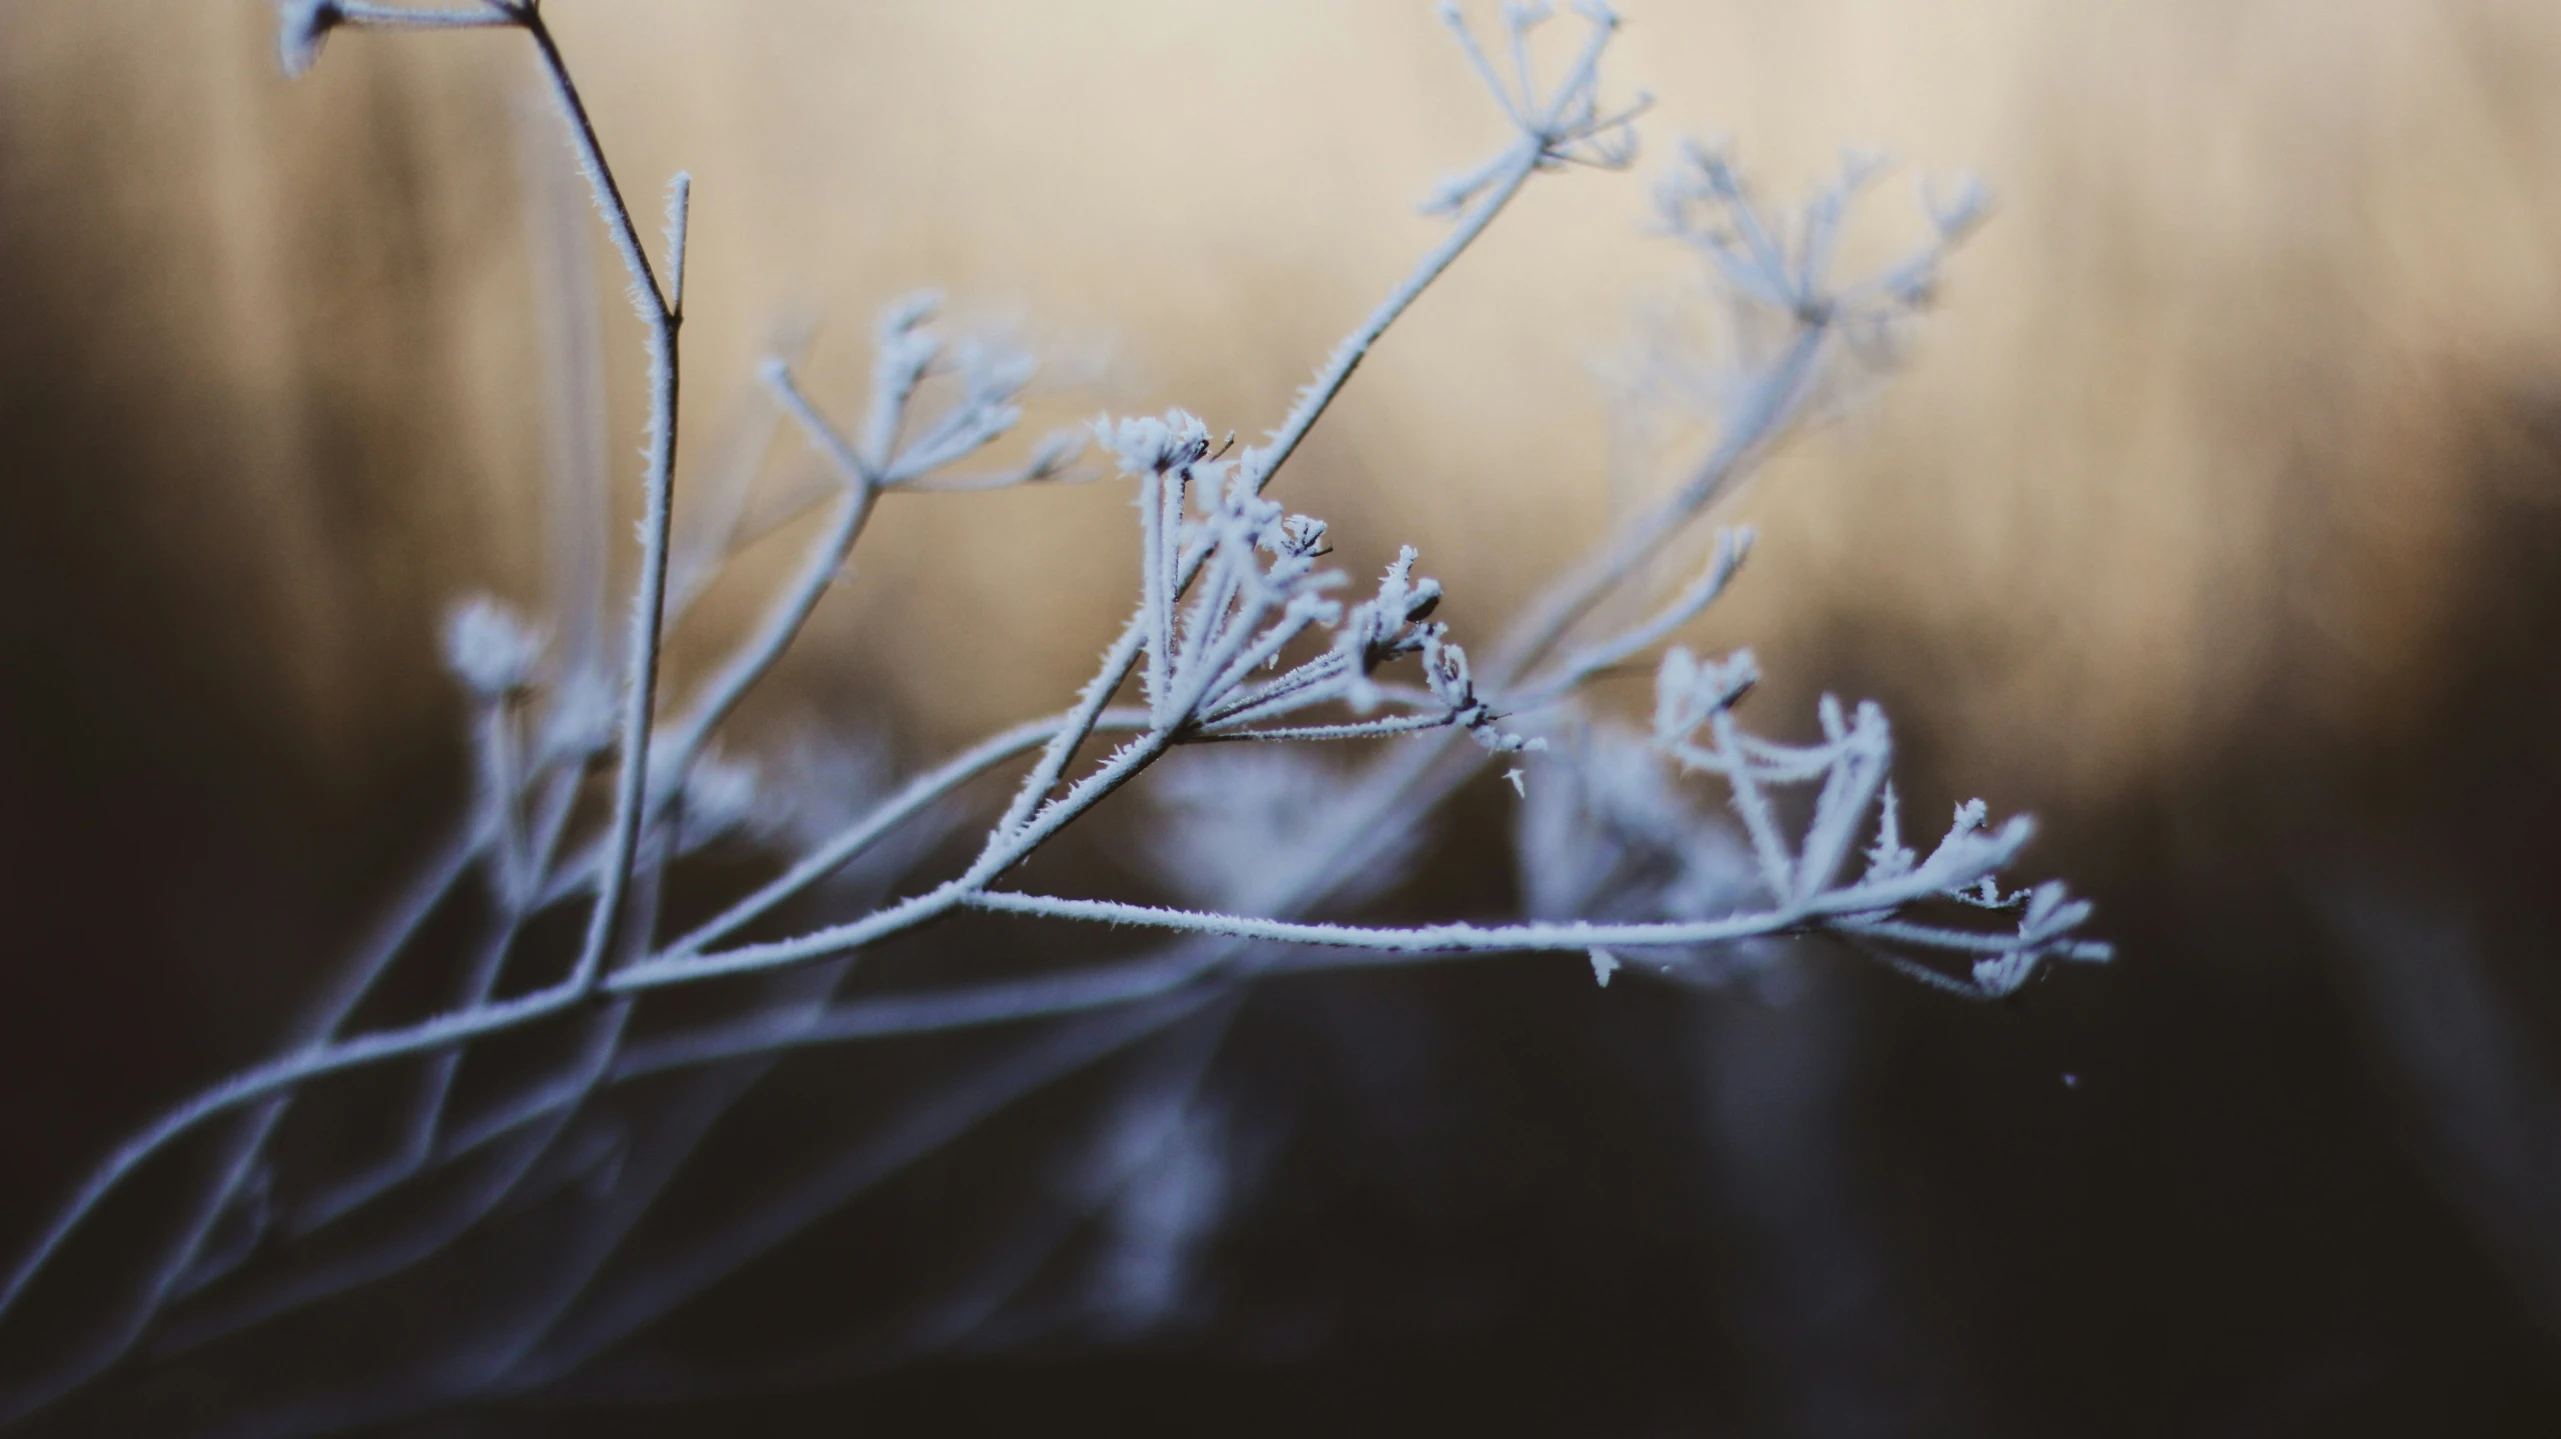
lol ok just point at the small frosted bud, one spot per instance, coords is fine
(1678, 673)
(1604, 964)
(1735, 679)
(2041, 905)
(907, 312)
(490, 648)
(1425, 599)
(1957, 213)
(1862, 163)
(1057, 451)
(1148, 446)
(2004, 974)
(302, 26)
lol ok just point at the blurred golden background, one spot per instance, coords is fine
(2204, 402)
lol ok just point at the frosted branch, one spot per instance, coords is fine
(1242, 645)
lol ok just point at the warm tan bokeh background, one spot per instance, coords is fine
(2235, 451)
(2199, 405)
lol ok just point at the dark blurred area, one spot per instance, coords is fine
(2217, 522)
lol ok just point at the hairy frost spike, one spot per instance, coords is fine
(1888, 858)
(490, 648)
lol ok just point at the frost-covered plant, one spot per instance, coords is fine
(1240, 635)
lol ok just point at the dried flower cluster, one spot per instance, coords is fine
(1239, 633)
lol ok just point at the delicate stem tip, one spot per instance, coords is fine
(680, 193)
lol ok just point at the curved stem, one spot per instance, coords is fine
(1265, 462)
(1775, 401)
(791, 610)
(649, 602)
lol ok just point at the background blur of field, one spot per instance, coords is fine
(2217, 520)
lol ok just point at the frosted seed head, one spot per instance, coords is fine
(490, 648)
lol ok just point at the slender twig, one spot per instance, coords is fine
(917, 795)
(1264, 462)
(640, 679)
(791, 610)
(1458, 939)
(357, 979)
(1731, 546)
(488, 14)
(1364, 729)
(1773, 403)
(919, 1129)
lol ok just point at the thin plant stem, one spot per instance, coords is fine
(640, 680)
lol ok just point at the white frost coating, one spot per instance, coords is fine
(1242, 645)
